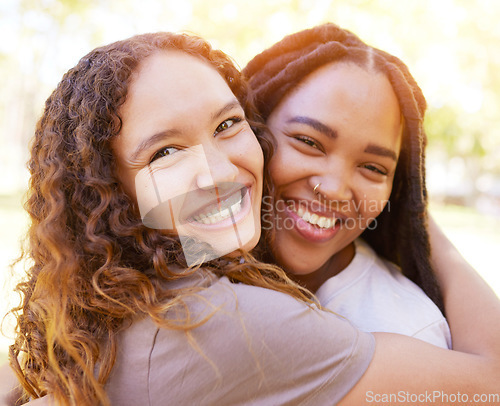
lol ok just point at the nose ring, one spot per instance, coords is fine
(315, 190)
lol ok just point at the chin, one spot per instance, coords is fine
(251, 235)
(293, 269)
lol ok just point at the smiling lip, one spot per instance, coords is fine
(224, 212)
(219, 202)
(312, 224)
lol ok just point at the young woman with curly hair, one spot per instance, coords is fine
(111, 314)
(349, 118)
(110, 310)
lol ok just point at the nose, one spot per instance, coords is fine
(335, 184)
(220, 168)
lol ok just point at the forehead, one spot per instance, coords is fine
(175, 76)
(347, 83)
(175, 71)
(173, 65)
(353, 101)
(344, 88)
(171, 89)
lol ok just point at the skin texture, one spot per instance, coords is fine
(168, 137)
(340, 128)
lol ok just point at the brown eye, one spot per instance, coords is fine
(226, 124)
(308, 141)
(165, 151)
(375, 169)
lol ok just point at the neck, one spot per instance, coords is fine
(332, 267)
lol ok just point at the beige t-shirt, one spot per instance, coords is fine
(375, 296)
(260, 347)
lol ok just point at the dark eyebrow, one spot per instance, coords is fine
(152, 141)
(381, 151)
(228, 107)
(173, 132)
(315, 124)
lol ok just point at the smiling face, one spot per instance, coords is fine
(187, 155)
(340, 128)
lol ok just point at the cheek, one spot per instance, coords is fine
(254, 158)
(277, 163)
(258, 156)
(247, 153)
(375, 199)
(273, 171)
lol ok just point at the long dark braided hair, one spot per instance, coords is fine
(401, 234)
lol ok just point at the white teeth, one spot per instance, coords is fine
(235, 208)
(313, 218)
(306, 216)
(231, 206)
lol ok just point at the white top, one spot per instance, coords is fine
(260, 347)
(374, 295)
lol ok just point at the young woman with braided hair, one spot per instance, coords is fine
(347, 121)
(111, 314)
(348, 124)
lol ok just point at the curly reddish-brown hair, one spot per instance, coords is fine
(401, 233)
(93, 264)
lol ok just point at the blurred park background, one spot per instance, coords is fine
(452, 47)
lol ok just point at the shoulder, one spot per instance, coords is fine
(258, 347)
(427, 322)
(128, 382)
(291, 352)
(274, 315)
(378, 297)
